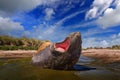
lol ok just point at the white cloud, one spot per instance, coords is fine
(92, 13)
(56, 29)
(94, 31)
(102, 41)
(89, 42)
(111, 18)
(118, 34)
(99, 6)
(116, 3)
(7, 26)
(12, 6)
(113, 36)
(115, 40)
(108, 11)
(69, 17)
(49, 32)
(26, 33)
(105, 14)
(94, 42)
(49, 13)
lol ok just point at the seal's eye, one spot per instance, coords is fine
(62, 46)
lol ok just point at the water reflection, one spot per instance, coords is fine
(97, 75)
(86, 69)
(79, 67)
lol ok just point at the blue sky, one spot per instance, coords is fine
(97, 20)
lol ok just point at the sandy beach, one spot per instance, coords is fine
(108, 55)
(17, 53)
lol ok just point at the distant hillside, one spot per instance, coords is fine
(12, 43)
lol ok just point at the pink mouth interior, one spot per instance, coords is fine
(63, 46)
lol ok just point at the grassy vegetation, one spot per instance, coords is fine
(112, 47)
(115, 47)
(23, 43)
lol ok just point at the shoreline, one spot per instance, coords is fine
(104, 55)
(17, 53)
(108, 55)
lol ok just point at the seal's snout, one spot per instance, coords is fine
(74, 34)
(77, 34)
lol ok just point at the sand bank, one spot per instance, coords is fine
(108, 55)
(103, 54)
(17, 53)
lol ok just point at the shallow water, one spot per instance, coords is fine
(91, 69)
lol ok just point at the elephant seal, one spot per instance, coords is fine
(62, 55)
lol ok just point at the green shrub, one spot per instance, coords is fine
(23, 43)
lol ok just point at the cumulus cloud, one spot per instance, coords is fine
(8, 27)
(106, 15)
(110, 18)
(47, 31)
(94, 42)
(92, 13)
(89, 42)
(102, 41)
(118, 34)
(99, 6)
(115, 39)
(116, 3)
(49, 13)
(12, 6)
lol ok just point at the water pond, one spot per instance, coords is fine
(91, 69)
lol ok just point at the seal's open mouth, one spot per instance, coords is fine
(62, 46)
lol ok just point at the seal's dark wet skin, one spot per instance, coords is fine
(62, 55)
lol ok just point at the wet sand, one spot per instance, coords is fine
(108, 55)
(17, 53)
